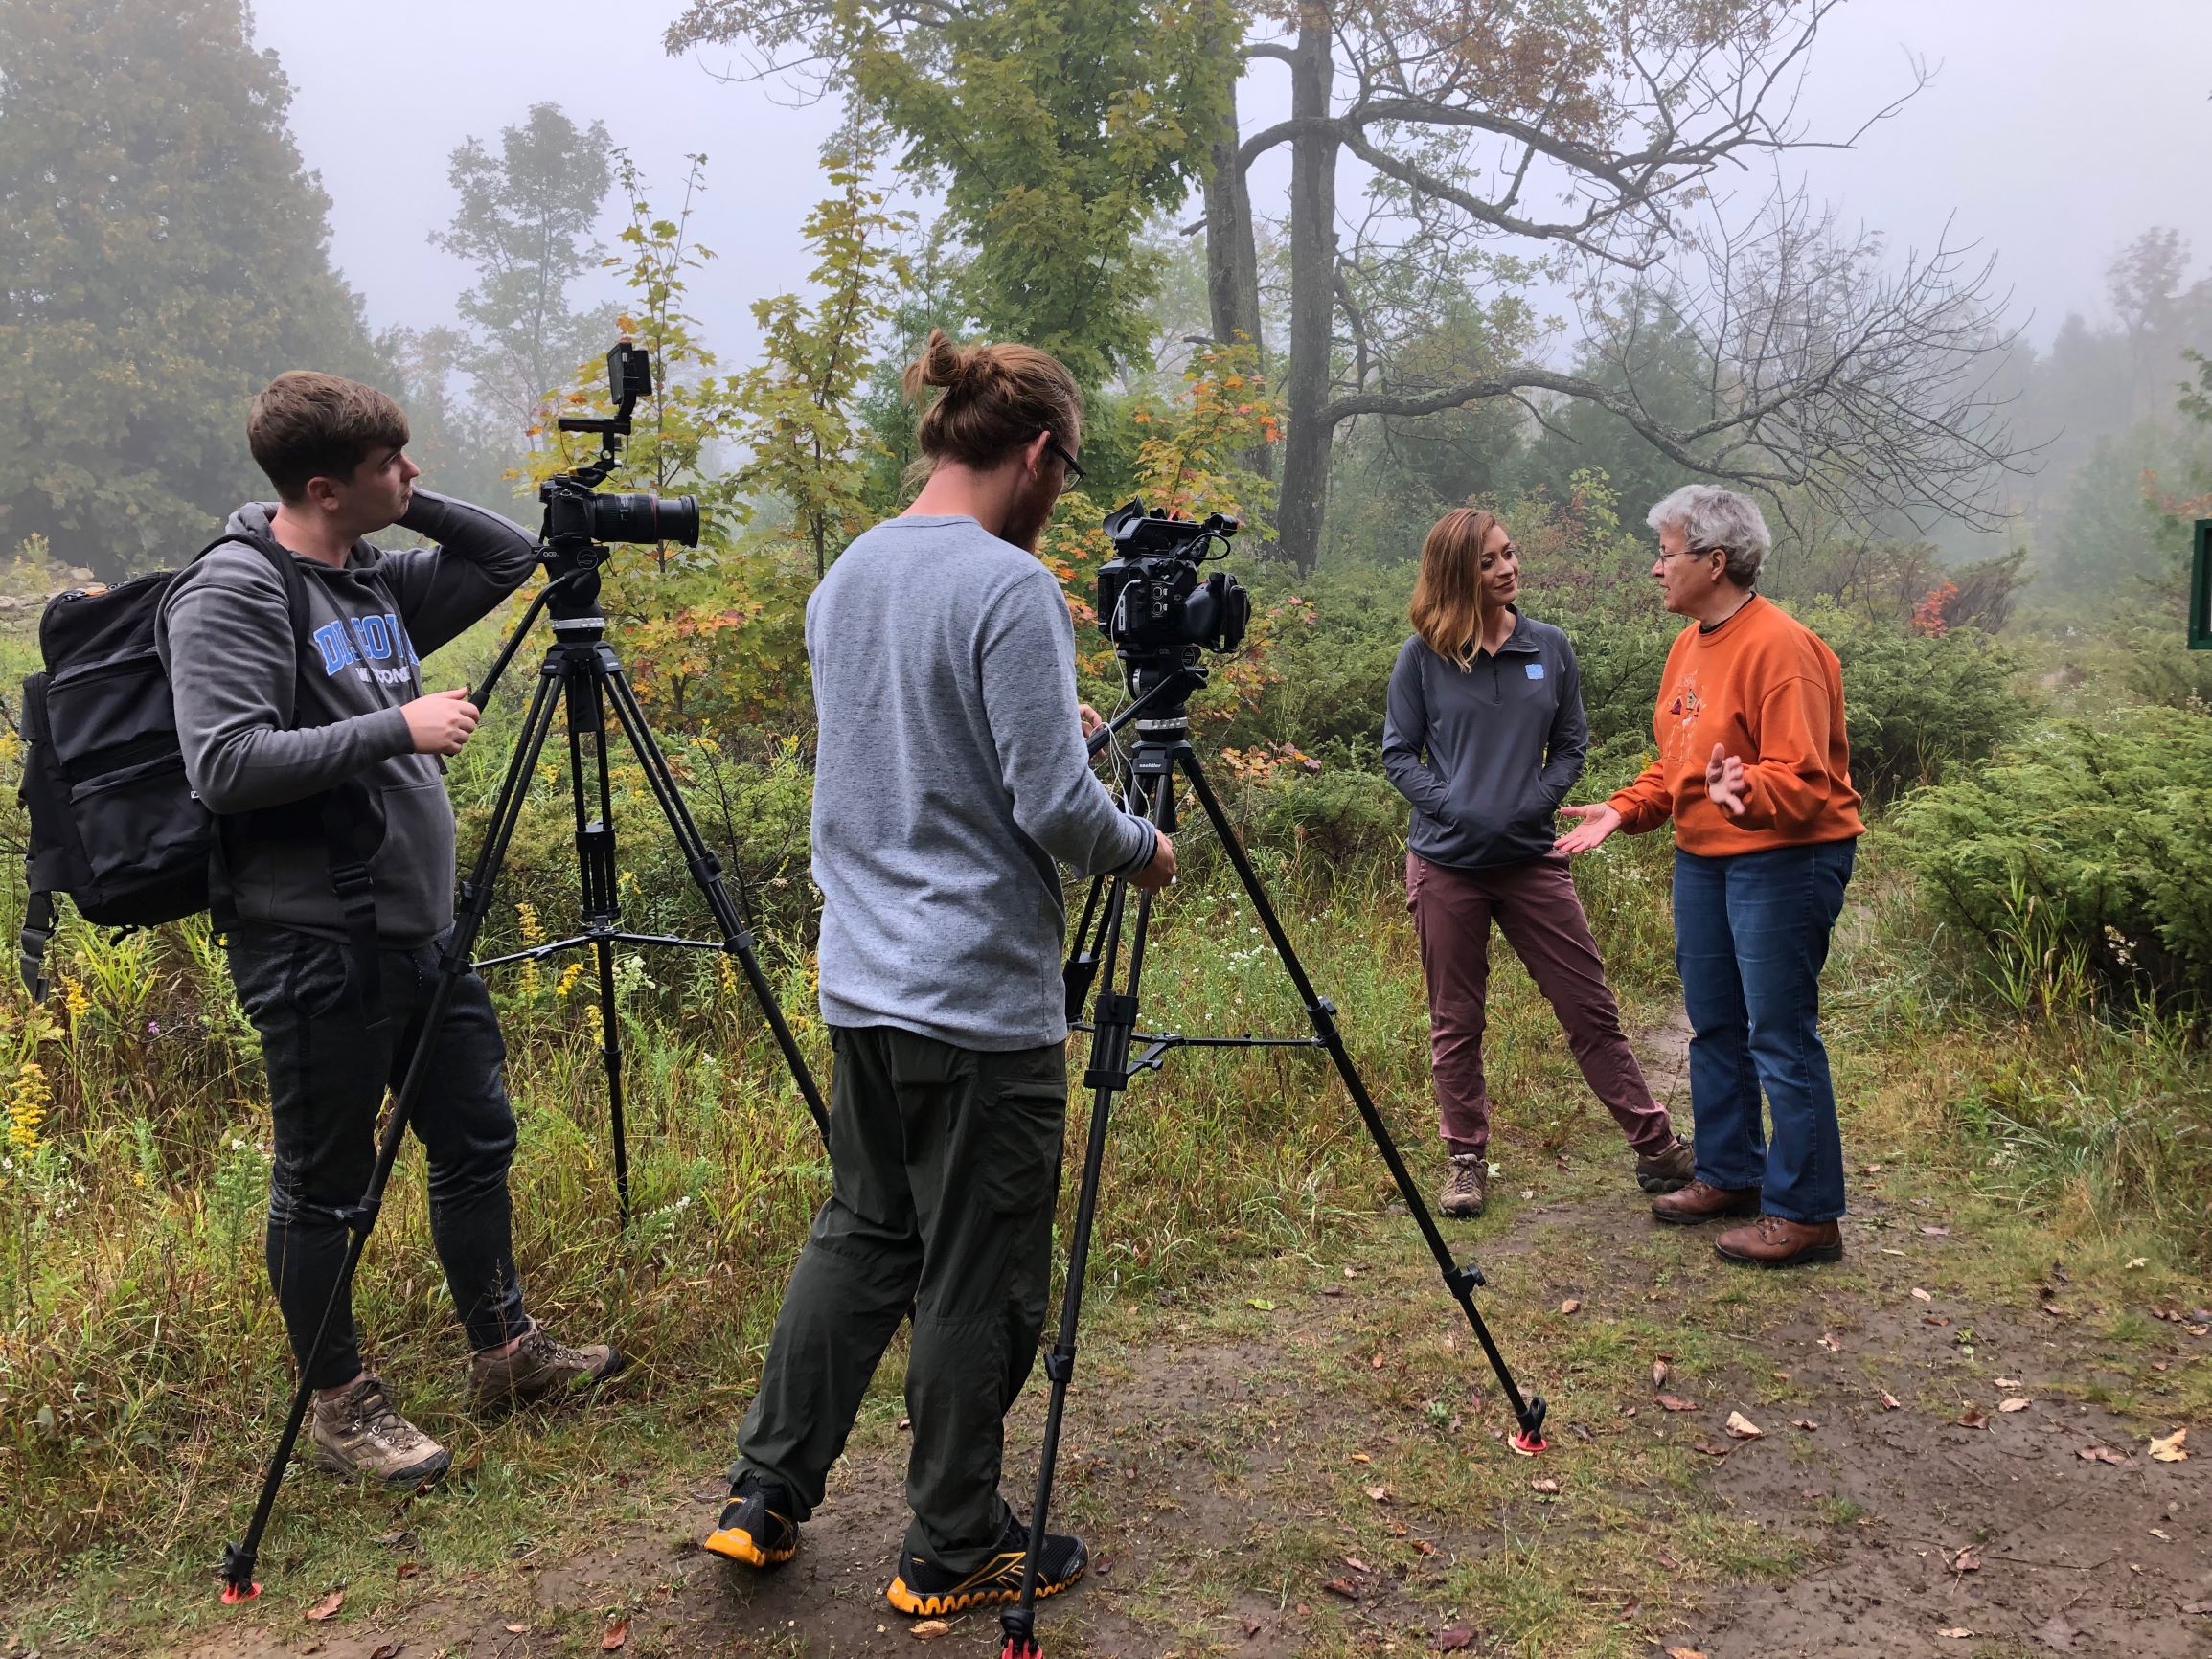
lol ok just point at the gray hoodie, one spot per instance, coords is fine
(225, 640)
(1504, 740)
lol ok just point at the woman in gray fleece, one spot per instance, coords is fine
(1485, 735)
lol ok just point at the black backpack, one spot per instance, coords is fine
(114, 822)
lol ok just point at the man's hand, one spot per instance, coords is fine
(440, 721)
(1090, 718)
(1597, 823)
(1724, 784)
(1161, 871)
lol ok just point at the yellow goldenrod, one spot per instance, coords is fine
(569, 976)
(533, 934)
(74, 999)
(27, 1105)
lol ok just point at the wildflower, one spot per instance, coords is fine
(569, 976)
(27, 1105)
(533, 933)
(75, 999)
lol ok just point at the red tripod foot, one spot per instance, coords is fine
(1021, 1648)
(232, 1595)
(1528, 1444)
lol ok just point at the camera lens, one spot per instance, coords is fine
(645, 518)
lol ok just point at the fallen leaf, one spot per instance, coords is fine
(1332, 1289)
(1972, 1418)
(1422, 1547)
(2010, 1382)
(1829, 1342)
(1956, 1633)
(1935, 1232)
(1685, 1653)
(1920, 1295)
(2105, 1454)
(1451, 1641)
(905, 1423)
(328, 1607)
(1357, 1564)
(1889, 1402)
(930, 1629)
(1262, 1304)
(1343, 1587)
(1742, 1427)
(1674, 1403)
(2170, 1450)
(1713, 1451)
(1658, 1373)
(1362, 1458)
(2055, 1312)
(1380, 1494)
(1807, 1423)
(1887, 1251)
(2200, 1608)
(1304, 1611)
(387, 1650)
(1251, 1627)
(1572, 1304)
(395, 1538)
(2014, 1403)
(1967, 1561)
(518, 1630)
(1376, 1363)
(617, 1633)
(2136, 1261)
(1547, 1487)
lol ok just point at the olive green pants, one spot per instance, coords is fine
(945, 1165)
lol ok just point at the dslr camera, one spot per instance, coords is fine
(577, 516)
(1152, 602)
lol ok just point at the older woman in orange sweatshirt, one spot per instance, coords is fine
(1754, 769)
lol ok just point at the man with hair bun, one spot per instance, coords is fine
(951, 779)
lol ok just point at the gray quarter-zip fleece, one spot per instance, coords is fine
(1486, 753)
(225, 639)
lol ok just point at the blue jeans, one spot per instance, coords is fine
(1750, 937)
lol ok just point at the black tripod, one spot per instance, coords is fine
(581, 673)
(1163, 750)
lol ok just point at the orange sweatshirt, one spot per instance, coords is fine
(1768, 690)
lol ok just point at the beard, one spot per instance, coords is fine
(1030, 513)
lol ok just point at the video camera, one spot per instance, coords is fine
(1151, 600)
(577, 516)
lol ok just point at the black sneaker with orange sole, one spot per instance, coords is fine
(927, 1591)
(756, 1527)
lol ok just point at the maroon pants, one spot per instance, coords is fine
(1534, 906)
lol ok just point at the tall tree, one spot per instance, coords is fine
(163, 255)
(1057, 129)
(524, 220)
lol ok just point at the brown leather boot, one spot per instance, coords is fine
(1703, 1201)
(1772, 1241)
(1467, 1189)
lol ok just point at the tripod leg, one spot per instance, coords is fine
(1114, 1023)
(707, 873)
(1460, 1281)
(599, 885)
(238, 1568)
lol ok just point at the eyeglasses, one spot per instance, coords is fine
(1691, 552)
(1074, 472)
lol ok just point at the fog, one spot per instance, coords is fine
(2052, 132)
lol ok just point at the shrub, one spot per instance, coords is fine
(2081, 857)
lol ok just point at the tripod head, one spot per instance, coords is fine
(580, 520)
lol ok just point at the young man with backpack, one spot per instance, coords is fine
(321, 758)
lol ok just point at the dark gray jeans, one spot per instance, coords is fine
(328, 1067)
(946, 1163)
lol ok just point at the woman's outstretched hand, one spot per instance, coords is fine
(1598, 822)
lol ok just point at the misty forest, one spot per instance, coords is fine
(1333, 269)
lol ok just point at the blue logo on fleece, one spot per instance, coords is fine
(1536, 671)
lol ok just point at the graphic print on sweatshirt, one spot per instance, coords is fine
(1685, 707)
(375, 645)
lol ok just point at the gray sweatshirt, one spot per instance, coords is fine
(1504, 744)
(225, 640)
(951, 775)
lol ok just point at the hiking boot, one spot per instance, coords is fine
(929, 1591)
(538, 1366)
(1670, 1171)
(1467, 1189)
(1703, 1201)
(756, 1527)
(1775, 1242)
(358, 1432)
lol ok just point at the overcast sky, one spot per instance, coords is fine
(2054, 132)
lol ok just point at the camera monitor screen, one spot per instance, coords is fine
(2201, 590)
